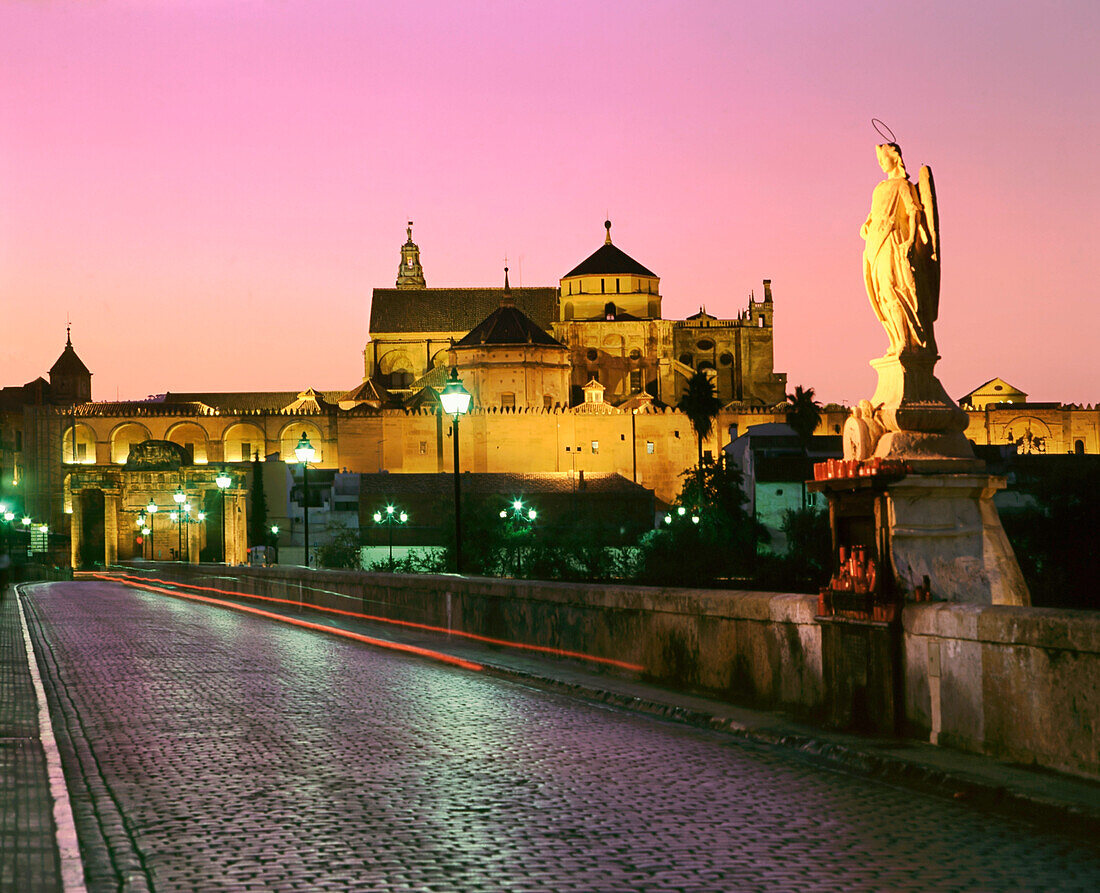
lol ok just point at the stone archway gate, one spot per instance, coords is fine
(154, 471)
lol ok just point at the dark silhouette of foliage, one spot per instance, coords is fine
(807, 564)
(803, 413)
(341, 550)
(719, 549)
(257, 510)
(1055, 539)
(701, 405)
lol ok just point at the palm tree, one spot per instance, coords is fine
(803, 413)
(701, 405)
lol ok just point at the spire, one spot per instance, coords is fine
(410, 274)
(506, 298)
(69, 335)
(607, 226)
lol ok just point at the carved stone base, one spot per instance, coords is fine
(949, 452)
(946, 527)
(921, 421)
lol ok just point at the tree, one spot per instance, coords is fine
(257, 512)
(701, 405)
(721, 545)
(803, 413)
(341, 550)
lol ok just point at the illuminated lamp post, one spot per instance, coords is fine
(180, 498)
(456, 401)
(390, 517)
(151, 511)
(304, 453)
(681, 512)
(223, 481)
(143, 530)
(518, 518)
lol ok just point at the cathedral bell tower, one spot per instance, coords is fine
(410, 274)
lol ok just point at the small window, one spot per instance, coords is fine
(726, 358)
(423, 447)
(779, 492)
(705, 344)
(507, 401)
(761, 322)
(592, 354)
(998, 387)
(246, 451)
(82, 449)
(616, 286)
(595, 446)
(649, 448)
(622, 437)
(635, 354)
(603, 284)
(686, 359)
(567, 449)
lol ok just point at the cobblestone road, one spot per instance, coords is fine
(210, 750)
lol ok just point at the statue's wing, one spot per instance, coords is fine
(927, 187)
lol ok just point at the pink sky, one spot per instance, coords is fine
(212, 189)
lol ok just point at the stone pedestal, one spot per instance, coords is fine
(945, 527)
(921, 421)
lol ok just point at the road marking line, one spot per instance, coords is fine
(72, 868)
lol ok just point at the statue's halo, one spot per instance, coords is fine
(885, 132)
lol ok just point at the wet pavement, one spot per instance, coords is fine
(208, 749)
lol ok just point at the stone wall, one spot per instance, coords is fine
(759, 649)
(1015, 683)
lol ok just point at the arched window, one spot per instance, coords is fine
(1079, 448)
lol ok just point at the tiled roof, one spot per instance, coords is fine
(248, 401)
(608, 259)
(508, 325)
(138, 408)
(69, 363)
(366, 392)
(453, 309)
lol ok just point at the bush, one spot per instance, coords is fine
(342, 549)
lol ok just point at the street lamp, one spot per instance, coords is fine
(456, 401)
(390, 517)
(180, 498)
(304, 452)
(223, 481)
(519, 519)
(139, 523)
(151, 511)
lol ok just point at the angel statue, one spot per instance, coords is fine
(901, 261)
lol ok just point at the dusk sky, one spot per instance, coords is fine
(211, 189)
